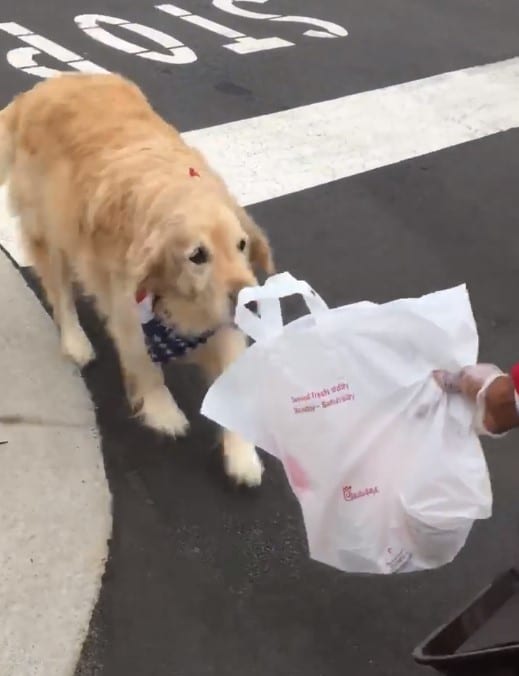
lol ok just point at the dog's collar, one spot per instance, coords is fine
(165, 342)
(145, 302)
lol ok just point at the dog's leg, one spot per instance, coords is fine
(40, 259)
(74, 341)
(54, 274)
(144, 380)
(241, 460)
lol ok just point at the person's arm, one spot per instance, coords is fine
(493, 392)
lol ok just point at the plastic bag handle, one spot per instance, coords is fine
(270, 320)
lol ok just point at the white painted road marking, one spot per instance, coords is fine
(281, 153)
(55, 506)
(229, 6)
(23, 57)
(243, 44)
(177, 54)
(278, 154)
(325, 29)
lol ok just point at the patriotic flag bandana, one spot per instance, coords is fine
(164, 342)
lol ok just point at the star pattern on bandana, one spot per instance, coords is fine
(165, 343)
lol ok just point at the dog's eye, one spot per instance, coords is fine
(242, 244)
(199, 256)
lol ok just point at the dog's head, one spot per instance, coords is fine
(199, 259)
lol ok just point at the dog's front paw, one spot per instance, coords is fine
(76, 346)
(160, 411)
(242, 463)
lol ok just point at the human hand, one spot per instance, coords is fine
(492, 392)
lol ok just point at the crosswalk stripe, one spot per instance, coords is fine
(285, 152)
(281, 153)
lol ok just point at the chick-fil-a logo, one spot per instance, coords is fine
(349, 494)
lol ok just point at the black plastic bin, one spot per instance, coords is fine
(482, 640)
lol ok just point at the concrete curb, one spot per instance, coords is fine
(55, 506)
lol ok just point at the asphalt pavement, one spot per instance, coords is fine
(204, 579)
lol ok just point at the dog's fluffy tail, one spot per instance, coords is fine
(6, 141)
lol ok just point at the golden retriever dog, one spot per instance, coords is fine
(109, 196)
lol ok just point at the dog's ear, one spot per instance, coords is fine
(260, 251)
(146, 256)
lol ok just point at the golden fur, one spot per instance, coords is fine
(106, 197)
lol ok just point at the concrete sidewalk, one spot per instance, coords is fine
(55, 507)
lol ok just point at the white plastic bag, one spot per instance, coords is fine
(387, 468)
